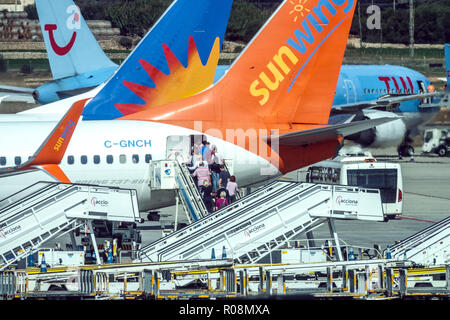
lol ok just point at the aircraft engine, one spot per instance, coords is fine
(385, 135)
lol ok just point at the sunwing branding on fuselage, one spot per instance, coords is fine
(262, 87)
(61, 140)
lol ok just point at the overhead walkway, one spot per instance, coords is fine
(45, 211)
(263, 221)
(430, 246)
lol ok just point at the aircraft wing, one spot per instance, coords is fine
(388, 102)
(326, 133)
(16, 89)
(16, 97)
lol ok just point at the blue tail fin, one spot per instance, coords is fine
(447, 65)
(177, 58)
(71, 47)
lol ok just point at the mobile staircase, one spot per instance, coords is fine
(264, 220)
(171, 175)
(430, 246)
(45, 211)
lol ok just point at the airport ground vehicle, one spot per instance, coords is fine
(363, 172)
(436, 141)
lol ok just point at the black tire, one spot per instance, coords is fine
(153, 216)
(442, 151)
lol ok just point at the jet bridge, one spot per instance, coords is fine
(430, 246)
(47, 210)
(264, 220)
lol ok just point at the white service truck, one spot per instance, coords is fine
(436, 141)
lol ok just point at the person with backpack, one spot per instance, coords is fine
(206, 193)
(222, 201)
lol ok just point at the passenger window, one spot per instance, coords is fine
(70, 159)
(109, 159)
(2, 161)
(123, 158)
(148, 158)
(17, 160)
(96, 159)
(83, 159)
(135, 158)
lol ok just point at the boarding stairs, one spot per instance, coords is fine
(430, 246)
(263, 221)
(46, 210)
(189, 194)
(172, 175)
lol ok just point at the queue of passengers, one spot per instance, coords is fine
(207, 167)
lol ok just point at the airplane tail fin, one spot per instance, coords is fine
(289, 71)
(287, 74)
(71, 47)
(176, 59)
(447, 65)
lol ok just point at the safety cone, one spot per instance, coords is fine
(351, 254)
(224, 253)
(213, 254)
(388, 252)
(43, 264)
(30, 261)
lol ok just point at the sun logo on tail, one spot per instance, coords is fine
(298, 9)
(181, 81)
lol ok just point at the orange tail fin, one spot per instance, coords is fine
(290, 70)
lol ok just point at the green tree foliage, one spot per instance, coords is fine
(245, 20)
(135, 17)
(431, 23)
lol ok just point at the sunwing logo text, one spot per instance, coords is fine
(69, 128)
(279, 67)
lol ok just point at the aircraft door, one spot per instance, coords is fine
(423, 89)
(178, 148)
(351, 91)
